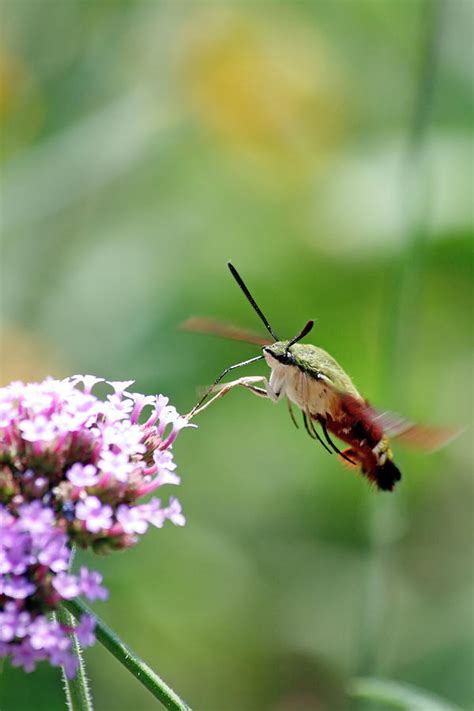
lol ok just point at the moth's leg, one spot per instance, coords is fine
(275, 387)
(306, 426)
(307, 419)
(312, 431)
(331, 443)
(261, 392)
(248, 382)
(218, 380)
(292, 414)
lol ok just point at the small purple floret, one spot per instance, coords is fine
(95, 515)
(82, 474)
(85, 631)
(90, 585)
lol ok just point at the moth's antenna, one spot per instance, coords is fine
(304, 332)
(252, 301)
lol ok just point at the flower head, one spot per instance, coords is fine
(72, 470)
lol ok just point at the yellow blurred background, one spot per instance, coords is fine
(326, 148)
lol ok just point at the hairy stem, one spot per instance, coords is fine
(129, 659)
(78, 695)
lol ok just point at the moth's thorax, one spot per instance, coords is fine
(311, 395)
(305, 356)
(308, 393)
(296, 372)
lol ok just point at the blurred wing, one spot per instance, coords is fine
(200, 324)
(425, 437)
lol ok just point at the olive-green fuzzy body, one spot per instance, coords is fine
(309, 376)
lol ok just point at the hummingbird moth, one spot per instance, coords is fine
(313, 380)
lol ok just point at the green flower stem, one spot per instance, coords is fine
(415, 199)
(129, 659)
(78, 696)
(400, 316)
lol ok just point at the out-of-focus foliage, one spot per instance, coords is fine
(144, 144)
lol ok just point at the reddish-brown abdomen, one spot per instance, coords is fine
(355, 425)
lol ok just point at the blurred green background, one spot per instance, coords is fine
(325, 148)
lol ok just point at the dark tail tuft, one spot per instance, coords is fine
(387, 475)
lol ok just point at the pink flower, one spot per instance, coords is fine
(24, 655)
(155, 514)
(57, 441)
(117, 464)
(35, 518)
(96, 516)
(132, 520)
(83, 475)
(44, 633)
(18, 587)
(87, 380)
(174, 512)
(120, 386)
(66, 585)
(90, 585)
(41, 429)
(141, 401)
(85, 631)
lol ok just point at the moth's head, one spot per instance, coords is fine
(278, 352)
(287, 352)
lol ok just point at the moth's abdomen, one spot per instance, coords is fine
(384, 476)
(369, 448)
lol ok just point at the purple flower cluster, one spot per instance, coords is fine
(72, 471)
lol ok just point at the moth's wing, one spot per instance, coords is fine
(425, 437)
(201, 324)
